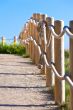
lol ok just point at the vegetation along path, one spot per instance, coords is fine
(22, 87)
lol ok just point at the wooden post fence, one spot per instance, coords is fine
(4, 40)
(46, 42)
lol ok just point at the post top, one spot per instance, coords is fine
(59, 21)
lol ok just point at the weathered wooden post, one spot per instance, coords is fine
(37, 56)
(3, 41)
(25, 31)
(43, 46)
(71, 64)
(31, 36)
(34, 37)
(27, 35)
(32, 43)
(15, 40)
(59, 63)
(34, 47)
(50, 52)
(30, 50)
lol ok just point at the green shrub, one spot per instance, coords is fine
(67, 86)
(12, 49)
(66, 54)
(67, 66)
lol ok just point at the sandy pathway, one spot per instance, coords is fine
(22, 87)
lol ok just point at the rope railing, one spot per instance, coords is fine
(50, 65)
(66, 29)
(44, 40)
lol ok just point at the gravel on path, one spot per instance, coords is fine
(22, 87)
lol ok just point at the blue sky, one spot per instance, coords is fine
(14, 14)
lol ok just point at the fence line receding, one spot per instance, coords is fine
(44, 40)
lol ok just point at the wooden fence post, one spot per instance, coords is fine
(26, 36)
(30, 41)
(32, 44)
(50, 52)
(34, 37)
(3, 41)
(43, 46)
(30, 25)
(37, 56)
(28, 48)
(59, 63)
(14, 40)
(71, 65)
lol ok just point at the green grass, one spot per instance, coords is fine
(67, 86)
(67, 66)
(67, 61)
(13, 49)
(67, 94)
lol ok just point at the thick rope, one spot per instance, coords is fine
(66, 30)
